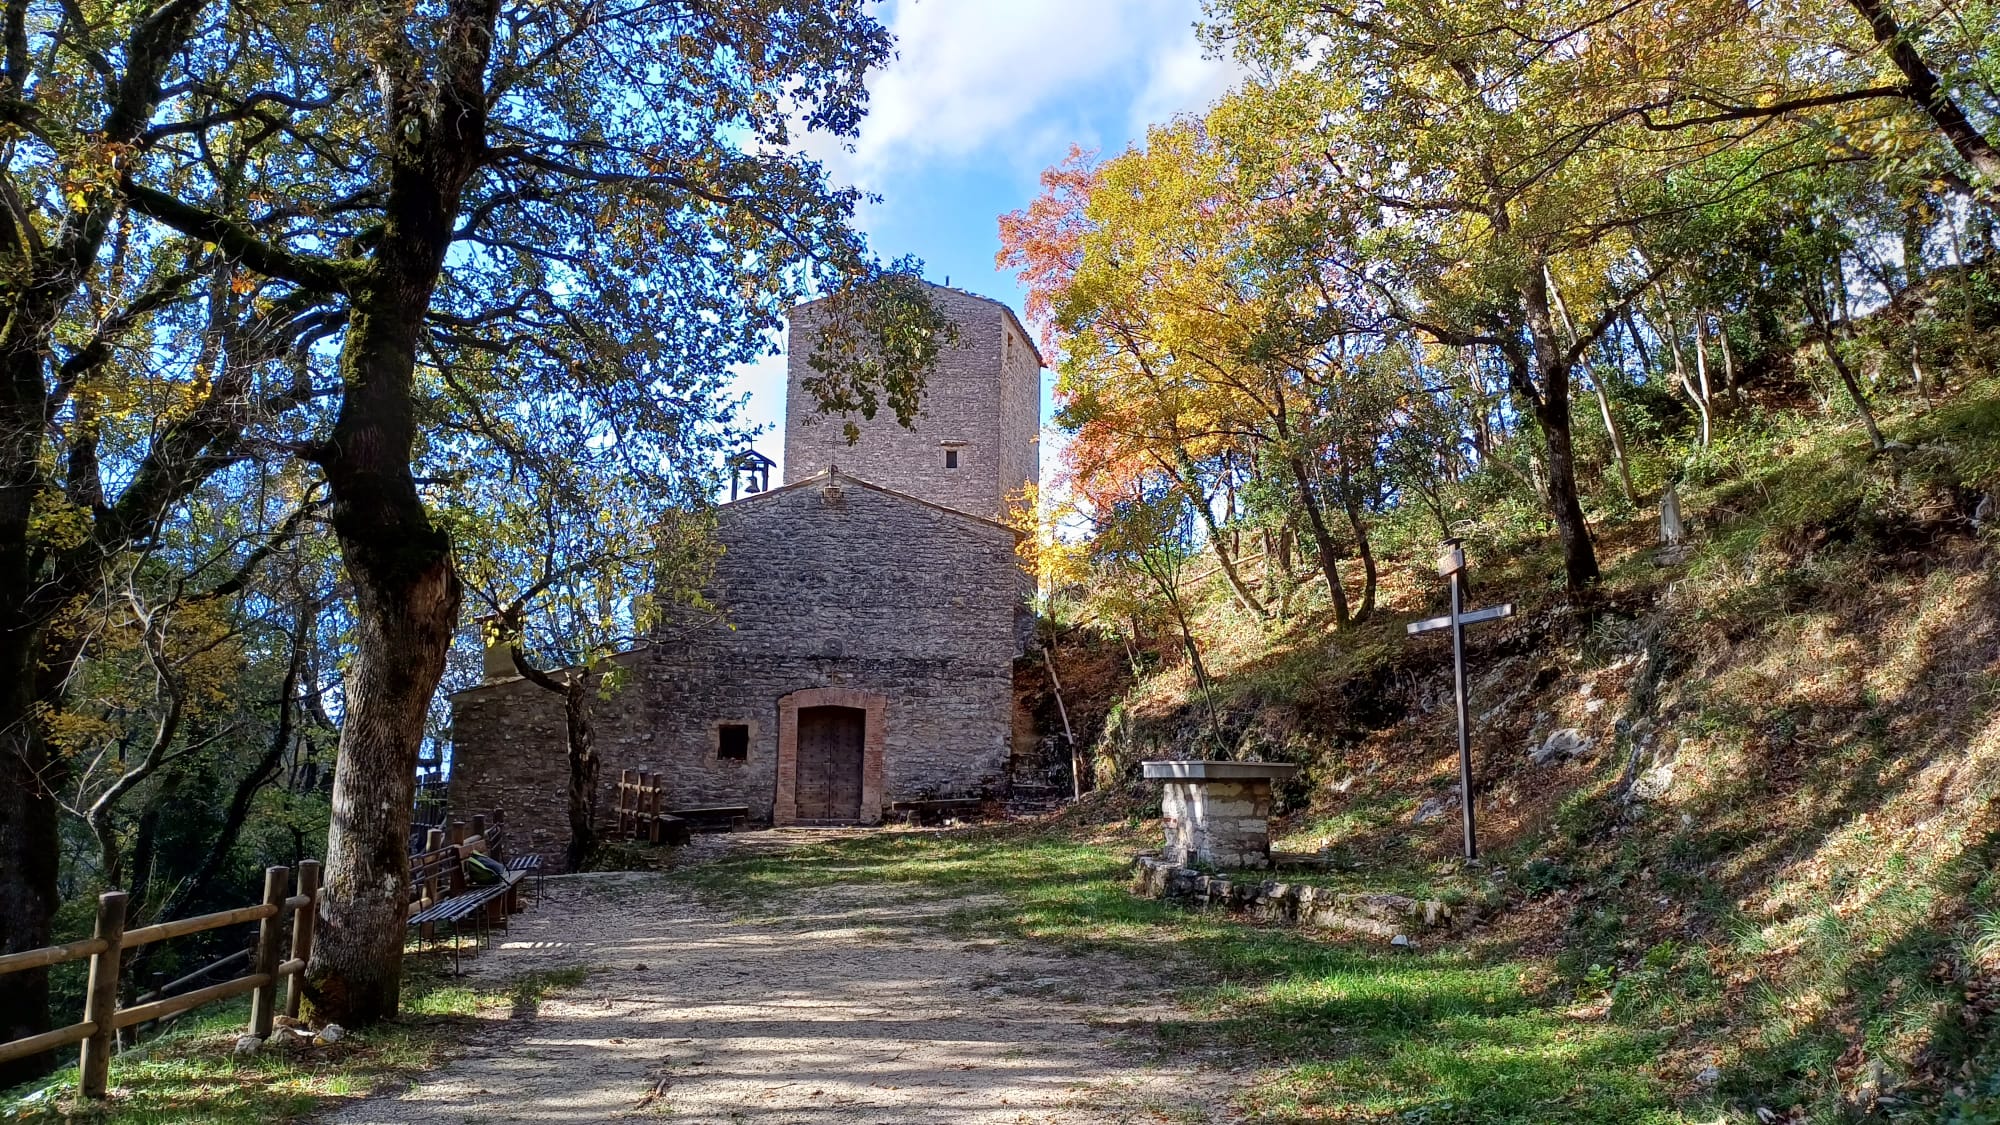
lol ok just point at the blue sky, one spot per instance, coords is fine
(983, 95)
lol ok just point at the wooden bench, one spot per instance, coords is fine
(936, 811)
(716, 818)
(530, 864)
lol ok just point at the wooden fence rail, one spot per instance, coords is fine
(103, 1018)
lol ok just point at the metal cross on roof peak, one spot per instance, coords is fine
(1451, 565)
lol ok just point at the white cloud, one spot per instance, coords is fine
(975, 76)
(1005, 87)
(1180, 79)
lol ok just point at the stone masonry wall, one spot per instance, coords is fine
(1302, 904)
(859, 589)
(984, 396)
(1220, 824)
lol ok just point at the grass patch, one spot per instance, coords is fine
(1345, 1032)
(192, 1074)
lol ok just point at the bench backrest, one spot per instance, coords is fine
(431, 874)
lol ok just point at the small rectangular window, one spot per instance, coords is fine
(734, 742)
(951, 458)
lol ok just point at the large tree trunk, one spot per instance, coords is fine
(406, 609)
(36, 284)
(1603, 397)
(406, 601)
(406, 595)
(29, 846)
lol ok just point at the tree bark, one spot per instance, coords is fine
(29, 847)
(1603, 398)
(1701, 372)
(1680, 370)
(1930, 95)
(582, 773)
(1329, 555)
(36, 285)
(1362, 547)
(406, 594)
(1847, 378)
(580, 741)
(1546, 386)
(1579, 553)
(406, 602)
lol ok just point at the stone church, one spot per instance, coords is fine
(871, 609)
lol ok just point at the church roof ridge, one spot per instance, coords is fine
(833, 474)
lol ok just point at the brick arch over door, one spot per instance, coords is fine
(873, 705)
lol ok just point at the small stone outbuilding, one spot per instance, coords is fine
(867, 631)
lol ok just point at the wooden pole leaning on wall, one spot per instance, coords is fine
(100, 1004)
(642, 822)
(263, 1000)
(302, 934)
(624, 794)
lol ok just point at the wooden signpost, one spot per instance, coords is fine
(1451, 565)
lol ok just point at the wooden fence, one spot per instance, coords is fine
(103, 1019)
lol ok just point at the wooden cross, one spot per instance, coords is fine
(1451, 565)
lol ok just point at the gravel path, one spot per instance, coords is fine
(845, 1011)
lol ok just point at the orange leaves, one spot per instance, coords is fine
(1044, 240)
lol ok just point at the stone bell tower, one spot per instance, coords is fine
(975, 446)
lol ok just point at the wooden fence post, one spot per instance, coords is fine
(302, 934)
(263, 1001)
(479, 825)
(100, 1003)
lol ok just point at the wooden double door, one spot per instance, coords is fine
(828, 785)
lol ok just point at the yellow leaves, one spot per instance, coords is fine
(57, 524)
(73, 732)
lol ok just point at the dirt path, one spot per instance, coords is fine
(847, 1011)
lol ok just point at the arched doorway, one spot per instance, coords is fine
(829, 757)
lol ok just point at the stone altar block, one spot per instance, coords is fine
(1218, 814)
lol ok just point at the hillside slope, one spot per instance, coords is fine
(1774, 836)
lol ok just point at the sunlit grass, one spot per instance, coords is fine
(1337, 1031)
